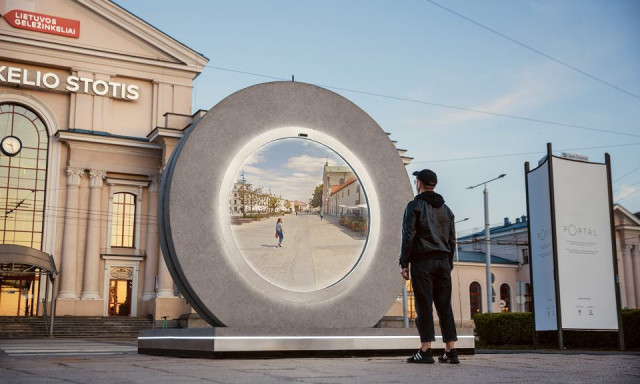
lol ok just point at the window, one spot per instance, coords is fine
(123, 220)
(505, 296)
(525, 256)
(475, 298)
(23, 177)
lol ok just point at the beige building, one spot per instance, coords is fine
(511, 289)
(92, 102)
(347, 197)
(627, 232)
(333, 177)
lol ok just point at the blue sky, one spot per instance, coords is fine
(417, 51)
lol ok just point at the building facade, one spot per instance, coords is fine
(92, 102)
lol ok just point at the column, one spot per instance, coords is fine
(629, 288)
(92, 247)
(166, 282)
(151, 261)
(69, 239)
(635, 256)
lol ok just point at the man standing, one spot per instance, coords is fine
(428, 245)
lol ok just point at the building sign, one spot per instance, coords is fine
(575, 156)
(121, 273)
(583, 238)
(43, 23)
(75, 84)
(570, 227)
(541, 248)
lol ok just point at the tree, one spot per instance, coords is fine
(243, 192)
(316, 200)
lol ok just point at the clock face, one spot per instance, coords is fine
(10, 145)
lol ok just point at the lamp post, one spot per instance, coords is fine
(487, 236)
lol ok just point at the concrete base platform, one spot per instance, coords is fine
(231, 342)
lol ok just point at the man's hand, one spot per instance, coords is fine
(405, 273)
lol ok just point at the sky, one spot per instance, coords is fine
(290, 168)
(471, 89)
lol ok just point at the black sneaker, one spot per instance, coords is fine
(422, 357)
(450, 357)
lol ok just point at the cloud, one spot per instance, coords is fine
(308, 164)
(625, 191)
(534, 86)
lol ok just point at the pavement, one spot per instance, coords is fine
(116, 361)
(314, 254)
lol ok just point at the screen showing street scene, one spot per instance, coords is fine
(299, 214)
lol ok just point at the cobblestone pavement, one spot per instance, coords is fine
(65, 361)
(315, 253)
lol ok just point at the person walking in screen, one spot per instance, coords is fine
(428, 245)
(279, 232)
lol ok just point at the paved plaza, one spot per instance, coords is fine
(96, 361)
(315, 253)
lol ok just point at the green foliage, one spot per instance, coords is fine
(516, 329)
(504, 328)
(316, 200)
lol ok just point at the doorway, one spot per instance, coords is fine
(120, 297)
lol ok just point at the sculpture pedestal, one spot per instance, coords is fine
(234, 342)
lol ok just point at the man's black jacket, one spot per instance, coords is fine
(428, 229)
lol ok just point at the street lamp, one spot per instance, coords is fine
(487, 236)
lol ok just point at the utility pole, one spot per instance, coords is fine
(487, 238)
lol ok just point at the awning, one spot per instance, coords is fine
(19, 255)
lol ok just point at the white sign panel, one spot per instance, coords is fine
(541, 248)
(583, 238)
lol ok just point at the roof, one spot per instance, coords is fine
(337, 188)
(480, 257)
(337, 169)
(498, 229)
(633, 217)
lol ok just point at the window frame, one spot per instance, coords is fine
(133, 187)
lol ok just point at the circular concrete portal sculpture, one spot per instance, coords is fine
(195, 226)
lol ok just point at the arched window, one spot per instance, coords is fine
(505, 295)
(22, 176)
(123, 220)
(475, 298)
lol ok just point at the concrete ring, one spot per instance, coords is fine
(194, 224)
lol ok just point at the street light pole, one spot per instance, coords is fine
(487, 239)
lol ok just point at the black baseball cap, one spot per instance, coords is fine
(427, 177)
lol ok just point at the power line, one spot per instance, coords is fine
(439, 105)
(628, 195)
(625, 175)
(521, 154)
(535, 50)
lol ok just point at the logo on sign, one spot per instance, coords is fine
(43, 23)
(574, 230)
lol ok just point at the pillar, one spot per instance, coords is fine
(166, 282)
(635, 258)
(629, 288)
(151, 261)
(67, 288)
(92, 247)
